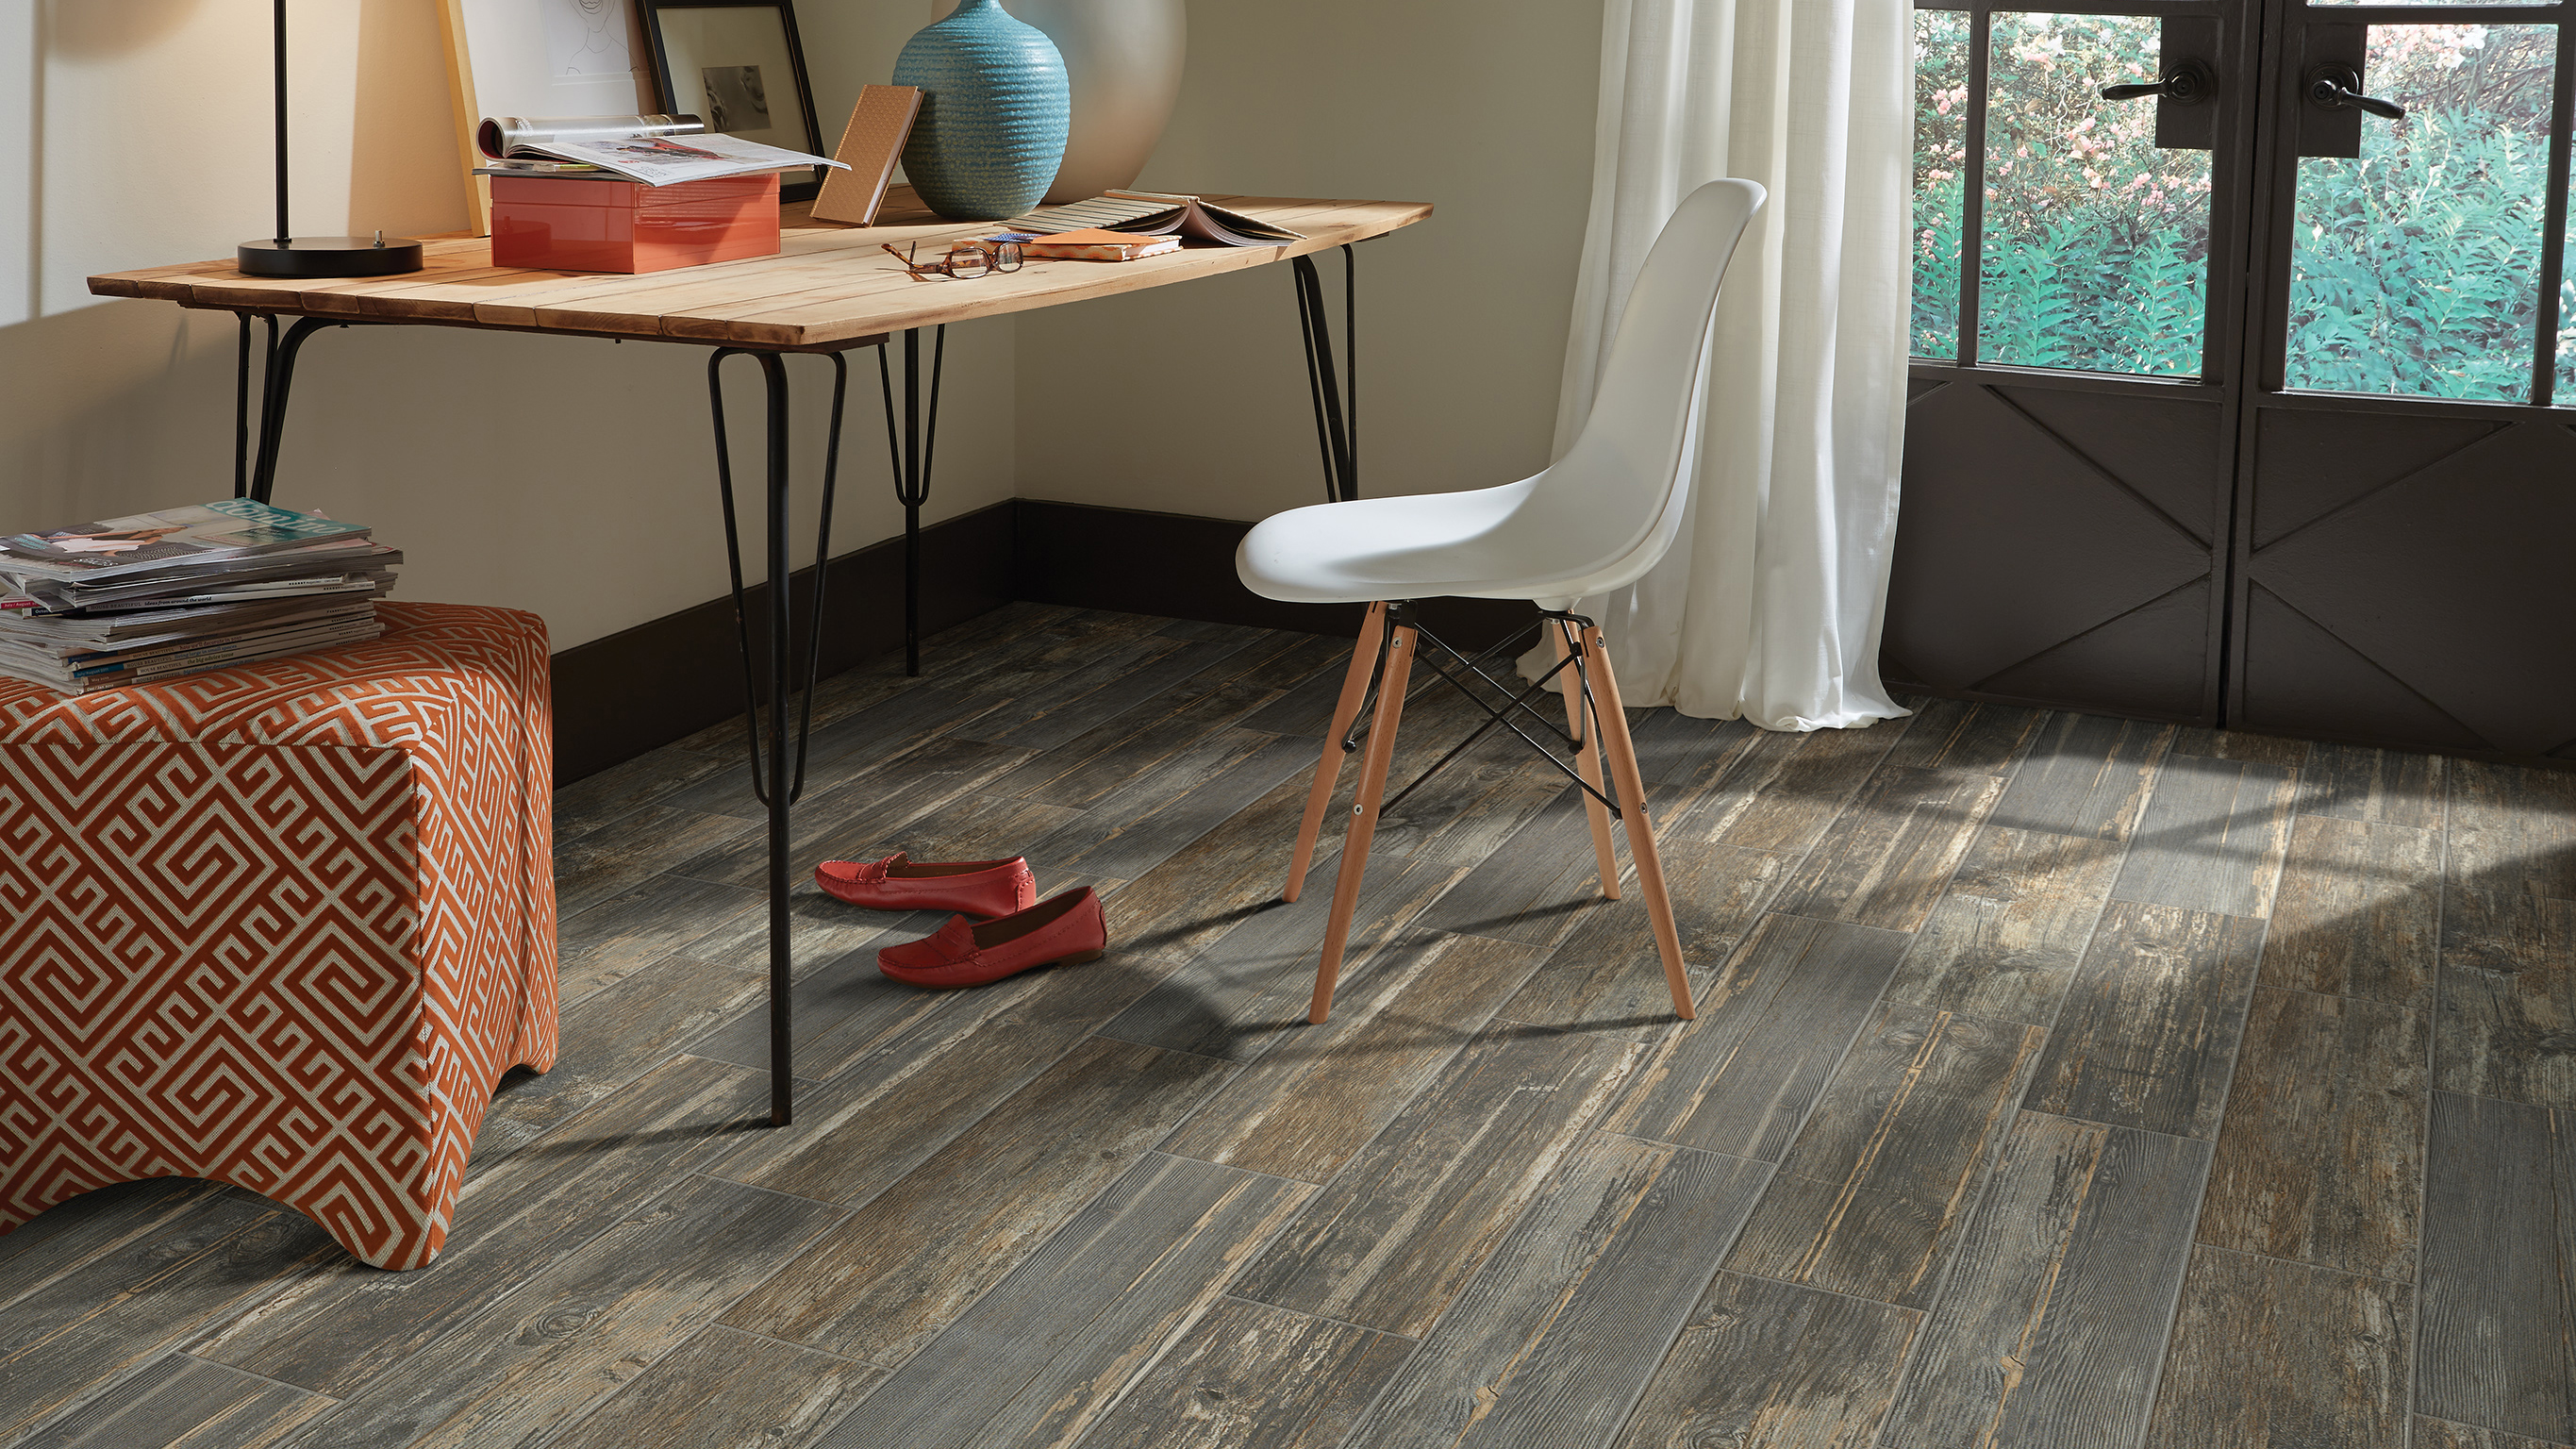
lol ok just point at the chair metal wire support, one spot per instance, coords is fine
(910, 449)
(1402, 615)
(1336, 397)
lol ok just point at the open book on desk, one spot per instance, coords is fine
(1153, 213)
(655, 150)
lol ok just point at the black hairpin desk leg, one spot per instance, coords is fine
(1337, 397)
(910, 446)
(258, 479)
(775, 786)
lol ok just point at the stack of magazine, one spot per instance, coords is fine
(128, 601)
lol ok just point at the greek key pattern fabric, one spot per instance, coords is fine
(283, 926)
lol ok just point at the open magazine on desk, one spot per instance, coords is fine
(655, 150)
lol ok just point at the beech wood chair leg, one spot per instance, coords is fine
(1622, 754)
(1328, 770)
(1587, 758)
(1364, 807)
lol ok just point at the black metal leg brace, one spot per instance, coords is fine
(1401, 614)
(774, 788)
(1336, 398)
(911, 450)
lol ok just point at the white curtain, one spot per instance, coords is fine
(1770, 603)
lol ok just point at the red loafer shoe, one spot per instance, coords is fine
(1067, 930)
(900, 883)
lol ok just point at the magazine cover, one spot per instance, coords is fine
(203, 532)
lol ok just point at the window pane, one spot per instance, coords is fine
(2096, 241)
(2416, 268)
(1940, 168)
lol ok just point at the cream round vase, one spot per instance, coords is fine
(1123, 58)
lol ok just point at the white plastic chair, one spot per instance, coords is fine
(1597, 520)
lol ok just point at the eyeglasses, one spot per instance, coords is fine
(964, 262)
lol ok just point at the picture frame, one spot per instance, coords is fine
(738, 65)
(540, 58)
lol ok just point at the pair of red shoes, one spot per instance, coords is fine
(1019, 932)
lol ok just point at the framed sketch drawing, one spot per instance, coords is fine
(737, 64)
(540, 58)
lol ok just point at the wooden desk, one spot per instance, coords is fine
(830, 290)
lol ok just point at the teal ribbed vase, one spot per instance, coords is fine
(995, 110)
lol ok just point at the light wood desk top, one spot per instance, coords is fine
(830, 288)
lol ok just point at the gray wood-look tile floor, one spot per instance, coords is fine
(2060, 1081)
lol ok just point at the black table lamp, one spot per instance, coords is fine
(318, 256)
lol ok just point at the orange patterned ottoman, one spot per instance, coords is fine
(283, 926)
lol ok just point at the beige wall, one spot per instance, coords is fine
(572, 477)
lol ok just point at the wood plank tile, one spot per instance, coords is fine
(618, 791)
(2150, 1029)
(1875, 1190)
(540, 1356)
(2272, 1354)
(1533, 886)
(636, 927)
(1129, 749)
(339, 1330)
(2358, 912)
(1248, 989)
(915, 1091)
(1145, 824)
(842, 822)
(1085, 698)
(723, 1389)
(843, 750)
(2321, 1158)
(1976, 739)
(64, 1343)
(2443, 1434)
(96, 1225)
(1300, 1111)
(2493, 1327)
(2513, 827)
(2212, 839)
(1673, 748)
(621, 854)
(1038, 1358)
(1608, 976)
(1892, 851)
(1552, 1341)
(2053, 1320)
(2382, 787)
(1408, 1221)
(2238, 745)
(179, 1401)
(1765, 1363)
(610, 1038)
(2086, 774)
(2005, 940)
(1249, 1376)
(1741, 1078)
(909, 1262)
(1785, 793)
(2508, 996)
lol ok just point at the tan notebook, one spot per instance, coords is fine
(879, 125)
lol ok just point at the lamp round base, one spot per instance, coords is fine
(329, 256)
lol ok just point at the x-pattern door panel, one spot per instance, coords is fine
(2285, 453)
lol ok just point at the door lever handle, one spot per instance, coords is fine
(2188, 84)
(2334, 87)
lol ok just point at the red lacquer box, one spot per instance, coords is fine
(625, 226)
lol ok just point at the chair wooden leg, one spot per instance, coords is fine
(1328, 770)
(1587, 758)
(1364, 807)
(1622, 756)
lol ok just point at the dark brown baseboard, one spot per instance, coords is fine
(666, 679)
